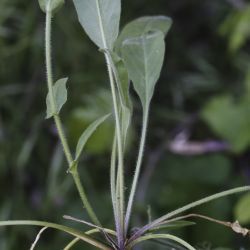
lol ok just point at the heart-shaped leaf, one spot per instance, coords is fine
(60, 98)
(143, 58)
(86, 135)
(142, 26)
(50, 5)
(100, 19)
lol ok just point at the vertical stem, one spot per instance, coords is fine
(63, 139)
(120, 234)
(138, 167)
(84, 198)
(113, 178)
(58, 122)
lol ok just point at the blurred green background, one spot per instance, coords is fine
(199, 131)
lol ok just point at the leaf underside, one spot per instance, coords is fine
(100, 20)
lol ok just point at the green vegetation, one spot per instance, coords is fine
(202, 149)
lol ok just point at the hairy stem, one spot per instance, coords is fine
(84, 198)
(58, 122)
(137, 168)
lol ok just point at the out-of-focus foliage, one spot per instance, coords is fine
(203, 93)
(228, 117)
(241, 211)
(236, 28)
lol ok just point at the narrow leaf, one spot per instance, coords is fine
(100, 20)
(37, 238)
(50, 5)
(86, 135)
(162, 236)
(60, 97)
(188, 207)
(142, 26)
(173, 225)
(59, 227)
(143, 58)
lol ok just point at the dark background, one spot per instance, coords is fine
(199, 130)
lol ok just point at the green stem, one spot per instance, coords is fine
(84, 198)
(120, 213)
(48, 59)
(63, 139)
(59, 123)
(120, 151)
(113, 178)
(138, 167)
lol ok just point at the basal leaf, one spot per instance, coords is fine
(50, 5)
(173, 225)
(86, 135)
(100, 19)
(143, 57)
(60, 97)
(162, 236)
(59, 227)
(142, 26)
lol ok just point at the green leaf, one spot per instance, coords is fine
(51, 5)
(174, 225)
(86, 135)
(100, 20)
(143, 57)
(59, 227)
(242, 212)
(122, 80)
(60, 97)
(161, 236)
(142, 26)
(94, 106)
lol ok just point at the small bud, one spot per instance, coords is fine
(50, 5)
